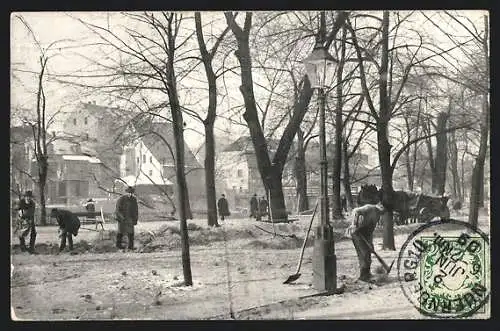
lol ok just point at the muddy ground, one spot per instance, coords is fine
(238, 271)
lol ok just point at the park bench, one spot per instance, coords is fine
(95, 217)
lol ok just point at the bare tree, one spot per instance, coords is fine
(271, 171)
(207, 58)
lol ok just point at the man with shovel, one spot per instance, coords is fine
(364, 221)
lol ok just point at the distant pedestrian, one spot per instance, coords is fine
(90, 208)
(263, 206)
(69, 224)
(223, 207)
(26, 222)
(343, 202)
(254, 206)
(127, 213)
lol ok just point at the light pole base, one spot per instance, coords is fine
(324, 260)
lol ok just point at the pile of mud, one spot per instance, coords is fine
(277, 242)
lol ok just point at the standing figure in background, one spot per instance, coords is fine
(343, 202)
(263, 206)
(254, 206)
(69, 224)
(223, 207)
(127, 213)
(26, 209)
(90, 207)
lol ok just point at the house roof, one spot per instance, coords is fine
(69, 147)
(159, 139)
(244, 144)
(132, 180)
(87, 158)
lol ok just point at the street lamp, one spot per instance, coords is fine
(320, 67)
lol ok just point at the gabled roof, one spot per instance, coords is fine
(156, 135)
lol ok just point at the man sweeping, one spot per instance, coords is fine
(363, 224)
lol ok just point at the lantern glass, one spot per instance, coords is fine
(320, 68)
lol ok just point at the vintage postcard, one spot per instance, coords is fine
(250, 165)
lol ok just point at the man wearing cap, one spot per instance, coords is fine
(127, 213)
(26, 209)
(69, 224)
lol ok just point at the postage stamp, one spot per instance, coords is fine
(444, 270)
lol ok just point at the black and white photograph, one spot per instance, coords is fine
(250, 165)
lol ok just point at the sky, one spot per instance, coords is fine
(74, 36)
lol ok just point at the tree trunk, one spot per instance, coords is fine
(477, 185)
(210, 175)
(384, 148)
(337, 161)
(457, 191)
(409, 172)
(42, 183)
(209, 121)
(300, 173)
(438, 187)
(347, 176)
(178, 128)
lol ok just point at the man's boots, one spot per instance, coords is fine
(365, 275)
(22, 244)
(119, 237)
(131, 241)
(32, 243)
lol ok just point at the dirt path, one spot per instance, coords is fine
(245, 280)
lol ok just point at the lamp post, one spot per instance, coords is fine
(320, 67)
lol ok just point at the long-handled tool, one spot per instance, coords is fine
(386, 267)
(296, 275)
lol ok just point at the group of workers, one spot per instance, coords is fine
(364, 221)
(126, 214)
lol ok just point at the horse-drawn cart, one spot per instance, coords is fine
(409, 207)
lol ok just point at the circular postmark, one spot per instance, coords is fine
(444, 269)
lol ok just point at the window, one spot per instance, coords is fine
(74, 121)
(138, 160)
(143, 158)
(240, 172)
(85, 120)
(150, 159)
(151, 172)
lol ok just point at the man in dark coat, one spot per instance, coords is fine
(90, 207)
(343, 202)
(263, 205)
(127, 213)
(254, 206)
(26, 224)
(69, 224)
(364, 221)
(223, 207)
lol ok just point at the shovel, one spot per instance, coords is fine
(386, 267)
(296, 275)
